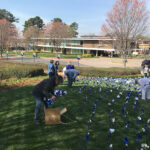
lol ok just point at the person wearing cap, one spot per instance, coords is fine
(51, 69)
(145, 87)
(43, 91)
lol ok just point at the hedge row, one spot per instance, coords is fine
(10, 70)
(108, 72)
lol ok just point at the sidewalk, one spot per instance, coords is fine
(102, 62)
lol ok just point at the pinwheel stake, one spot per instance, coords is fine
(139, 138)
(126, 143)
(144, 129)
(127, 126)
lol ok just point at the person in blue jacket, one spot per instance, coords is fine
(51, 69)
(71, 75)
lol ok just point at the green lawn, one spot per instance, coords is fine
(19, 132)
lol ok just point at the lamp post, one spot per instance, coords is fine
(22, 56)
(34, 56)
(7, 55)
(78, 58)
(58, 57)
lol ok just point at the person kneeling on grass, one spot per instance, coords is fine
(145, 87)
(43, 91)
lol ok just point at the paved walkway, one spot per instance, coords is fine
(103, 62)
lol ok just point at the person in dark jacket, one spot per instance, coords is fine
(56, 67)
(44, 90)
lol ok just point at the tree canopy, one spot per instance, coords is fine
(4, 14)
(57, 20)
(125, 22)
(74, 28)
(36, 21)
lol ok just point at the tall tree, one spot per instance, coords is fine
(36, 21)
(74, 28)
(57, 20)
(8, 32)
(126, 20)
(4, 14)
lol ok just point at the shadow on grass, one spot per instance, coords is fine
(19, 132)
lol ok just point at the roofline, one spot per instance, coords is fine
(79, 39)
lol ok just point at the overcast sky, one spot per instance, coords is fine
(89, 14)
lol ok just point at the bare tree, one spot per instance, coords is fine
(125, 22)
(8, 32)
(31, 34)
(57, 32)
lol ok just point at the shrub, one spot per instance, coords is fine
(109, 72)
(19, 70)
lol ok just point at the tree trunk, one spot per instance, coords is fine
(1, 53)
(124, 59)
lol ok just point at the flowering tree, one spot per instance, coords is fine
(8, 32)
(125, 22)
(57, 32)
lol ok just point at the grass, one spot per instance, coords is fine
(19, 132)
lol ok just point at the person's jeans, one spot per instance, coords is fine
(146, 92)
(38, 103)
(70, 81)
(51, 74)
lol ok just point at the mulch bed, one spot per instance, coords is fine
(4, 87)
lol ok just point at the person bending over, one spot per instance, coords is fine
(44, 90)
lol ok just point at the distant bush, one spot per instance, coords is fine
(87, 55)
(31, 51)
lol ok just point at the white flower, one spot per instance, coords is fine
(65, 92)
(118, 96)
(113, 100)
(100, 89)
(139, 118)
(111, 91)
(109, 104)
(136, 98)
(148, 121)
(90, 120)
(144, 145)
(113, 120)
(110, 146)
(143, 130)
(111, 130)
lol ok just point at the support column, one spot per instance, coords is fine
(83, 51)
(96, 53)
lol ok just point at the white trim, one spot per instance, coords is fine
(79, 39)
(80, 48)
